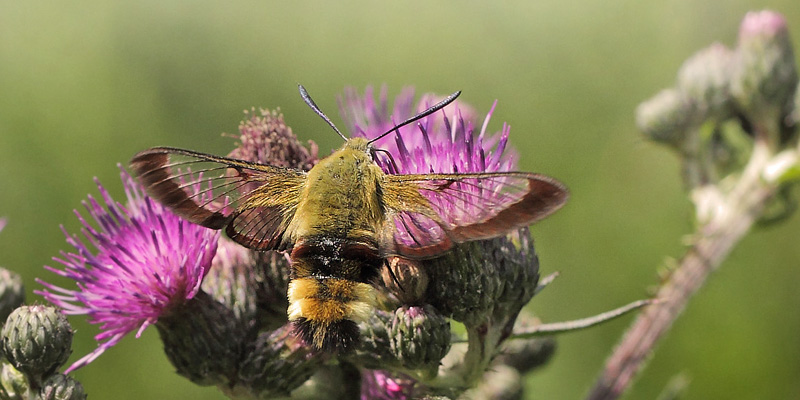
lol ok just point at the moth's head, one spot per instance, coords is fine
(359, 144)
(362, 144)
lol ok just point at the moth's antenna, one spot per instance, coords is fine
(432, 109)
(307, 99)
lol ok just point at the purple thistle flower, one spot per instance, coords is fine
(442, 142)
(2, 224)
(143, 260)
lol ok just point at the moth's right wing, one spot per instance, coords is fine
(253, 202)
(431, 212)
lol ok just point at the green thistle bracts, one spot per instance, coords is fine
(36, 341)
(204, 340)
(61, 387)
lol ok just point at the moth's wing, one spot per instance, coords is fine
(429, 213)
(253, 202)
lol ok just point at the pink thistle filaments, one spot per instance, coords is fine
(442, 142)
(383, 385)
(137, 264)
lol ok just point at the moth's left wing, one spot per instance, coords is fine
(430, 212)
(253, 202)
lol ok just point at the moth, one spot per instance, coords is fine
(342, 219)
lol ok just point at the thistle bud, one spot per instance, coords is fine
(277, 363)
(704, 80)
(202, 339)
(420, 338)
(478, 279)
(12, 292)
(375, 350)
(464, 282)
(61, 387)
(764, 74)
(665, 117)
(37, 340)
(13, 385)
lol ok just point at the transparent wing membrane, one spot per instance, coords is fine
(471, 207)
(251, 199)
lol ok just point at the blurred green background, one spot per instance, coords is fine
(85, 86)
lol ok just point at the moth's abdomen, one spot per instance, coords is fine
(325, 319)
(330, 291)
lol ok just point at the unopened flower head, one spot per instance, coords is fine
(138, 262)
(36, 340)
(765, 74)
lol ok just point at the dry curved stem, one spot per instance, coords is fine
(579, 324)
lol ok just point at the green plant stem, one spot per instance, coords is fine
(732, 218)
(461, 370)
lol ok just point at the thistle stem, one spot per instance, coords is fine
(713, 241)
